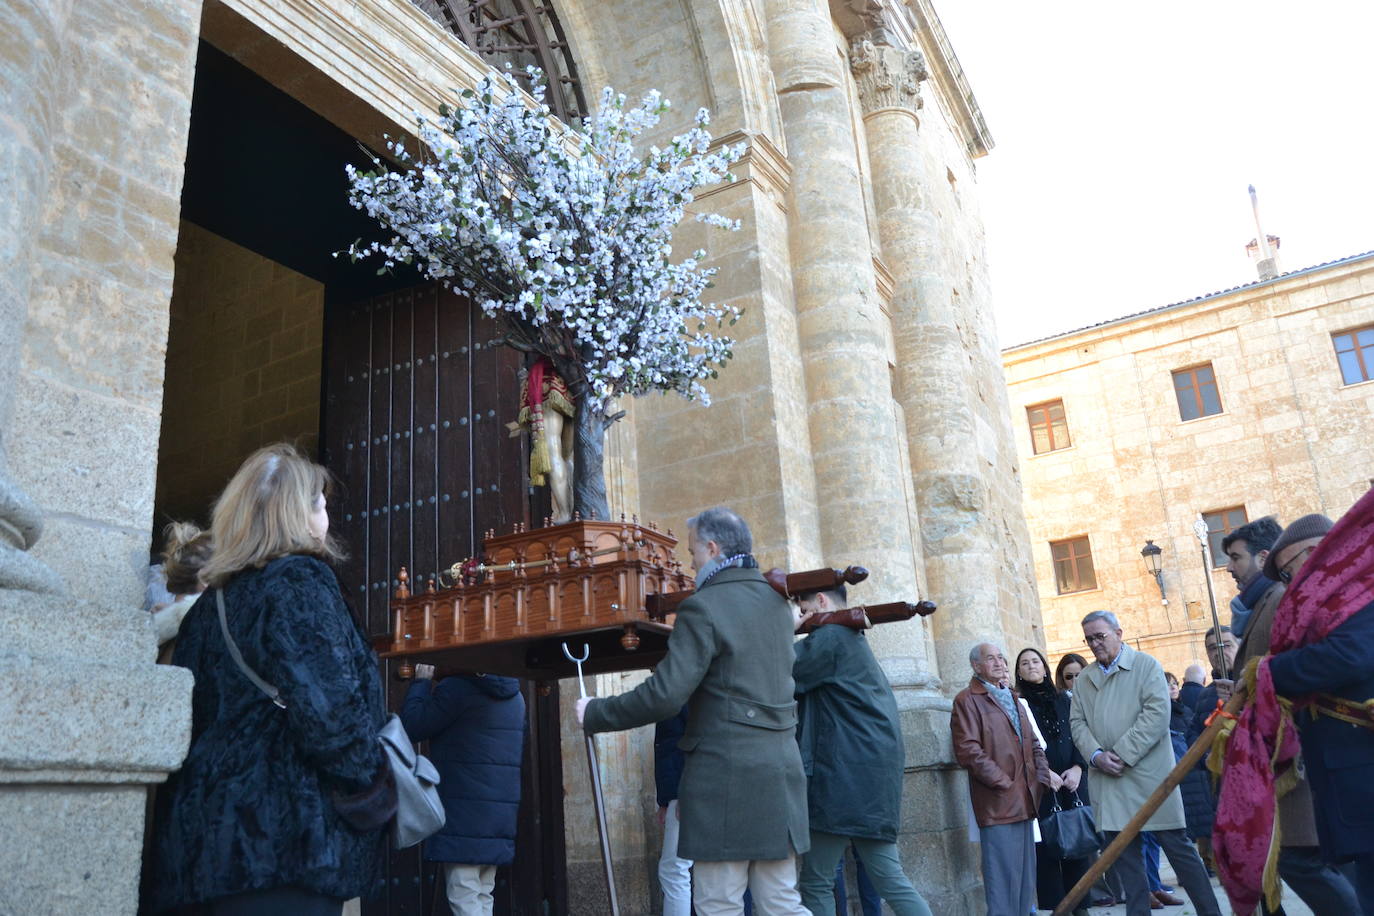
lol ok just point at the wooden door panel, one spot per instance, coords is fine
(416, 397)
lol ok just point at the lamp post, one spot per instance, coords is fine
(1150, 553)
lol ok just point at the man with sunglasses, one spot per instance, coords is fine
(1120, 724)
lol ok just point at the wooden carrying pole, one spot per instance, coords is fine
(1123, 839)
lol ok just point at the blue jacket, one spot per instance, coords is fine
(1199, 801)
(1339, 756)
(251, 807)
(475, 726)
(668, 757)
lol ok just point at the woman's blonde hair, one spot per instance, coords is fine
(186, 552)
(264, 513)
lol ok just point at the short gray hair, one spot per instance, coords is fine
(974, 655)
(1108, 616)
(725, 527)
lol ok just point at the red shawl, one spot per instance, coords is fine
(1336, 581)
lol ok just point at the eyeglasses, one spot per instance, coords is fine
(1069, 677)
(1286, 573)
(1096, 638)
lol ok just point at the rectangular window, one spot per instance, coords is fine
(1221, 522)
(1355, 353)
(1073, 565)
(1196, 389)
(1049, 429)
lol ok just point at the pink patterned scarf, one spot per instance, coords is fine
(1336, 581)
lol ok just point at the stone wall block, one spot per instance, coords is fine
(131, 719)
(113, 636)
(98, 562)
(85, 453)
(925, 731)
(71, 849)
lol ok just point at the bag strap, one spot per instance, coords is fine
(273, 694)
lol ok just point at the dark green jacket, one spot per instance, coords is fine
(850, 737)
(743, 792)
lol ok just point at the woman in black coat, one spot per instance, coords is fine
(1053, 875)
(249, 824)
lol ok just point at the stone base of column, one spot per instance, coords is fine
(87, 722)
(934, 839)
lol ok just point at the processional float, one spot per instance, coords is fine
(581, 597)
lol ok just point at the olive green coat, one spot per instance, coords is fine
(743, 791)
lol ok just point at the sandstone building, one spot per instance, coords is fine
(168, 302)
(1250, 402)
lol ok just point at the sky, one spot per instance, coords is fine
(1126, 136)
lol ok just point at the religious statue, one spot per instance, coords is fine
(547, 411)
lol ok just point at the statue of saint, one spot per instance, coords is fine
(548, 412)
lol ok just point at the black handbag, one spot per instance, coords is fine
(1069, 833)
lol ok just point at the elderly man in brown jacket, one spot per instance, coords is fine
(994, 741)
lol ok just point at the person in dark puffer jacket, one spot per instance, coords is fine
(475, 726)
(249, 825)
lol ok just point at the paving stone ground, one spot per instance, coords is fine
(1291, 904)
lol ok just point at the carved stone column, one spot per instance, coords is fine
(87, 719)
(28, 72)
(934, 383)
(843, 332)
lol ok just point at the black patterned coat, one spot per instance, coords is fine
(250, 808)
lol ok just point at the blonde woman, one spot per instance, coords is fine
(252, 822)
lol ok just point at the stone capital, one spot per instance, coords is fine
(887, 77)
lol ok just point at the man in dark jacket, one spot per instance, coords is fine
(475, 726)
(1007, 772)
(743, 791)
(851, 747)
(1338, 753)
(1301, 865)
(1246, 549)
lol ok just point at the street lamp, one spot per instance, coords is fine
(1150, 553)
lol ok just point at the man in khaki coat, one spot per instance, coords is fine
(742, 798)
(1120, 724)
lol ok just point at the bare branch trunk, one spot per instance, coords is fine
(589, 471)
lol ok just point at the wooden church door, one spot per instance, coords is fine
(417, 394)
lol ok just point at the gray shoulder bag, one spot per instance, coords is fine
(419, 812)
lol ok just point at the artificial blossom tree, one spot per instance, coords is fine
(566, 236)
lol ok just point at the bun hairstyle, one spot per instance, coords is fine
(264, 513)
(186, 553)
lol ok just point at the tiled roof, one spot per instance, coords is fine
(1173, 305)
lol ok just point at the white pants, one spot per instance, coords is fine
(674, 874)
(469, 888)
(773, 883)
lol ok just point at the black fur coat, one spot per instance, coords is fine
(250, 808)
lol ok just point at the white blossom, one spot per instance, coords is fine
(567, 236)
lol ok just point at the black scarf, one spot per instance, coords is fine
(1041, 698)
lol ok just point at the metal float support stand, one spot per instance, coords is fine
(595, 771)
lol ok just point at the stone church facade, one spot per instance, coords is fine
(152, 335)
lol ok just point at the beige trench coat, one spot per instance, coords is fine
(1126, 712)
